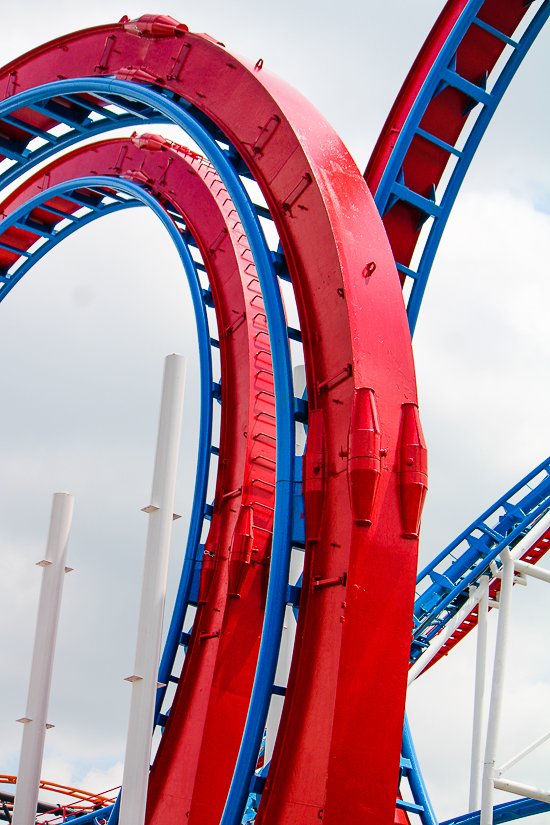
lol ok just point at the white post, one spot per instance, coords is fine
(153, 594)
(35, 719)
(522, 790)
(479, 698)
(495, 707)
(532, 570)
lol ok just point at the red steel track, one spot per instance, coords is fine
(358, 359)
(221, 658)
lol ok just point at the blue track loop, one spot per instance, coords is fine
(164, 105)
(141, 196)
(61, 143)
(205, 436)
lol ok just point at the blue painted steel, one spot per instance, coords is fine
(441, 72)
(9, 282)
(468, 152)
(28, 159)
(506, 812)
(393, 169)
(205, 432)
(95, 817)
(414, 776)
(164, 104)
(115, 811)
(446, 591)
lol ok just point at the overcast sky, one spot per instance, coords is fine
(84, 335)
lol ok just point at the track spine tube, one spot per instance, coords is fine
(314, 474)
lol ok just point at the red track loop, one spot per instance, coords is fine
(345, 682)
(221, 659)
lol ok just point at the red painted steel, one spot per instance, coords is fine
(345, 681)
(445, 116)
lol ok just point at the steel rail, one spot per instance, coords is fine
(432, 93)
(146, 162)
(278, 580)
(480, 540)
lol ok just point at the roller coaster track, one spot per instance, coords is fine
(303, 194)
(473, 552)
(363, 428)
(437, 122)
(247, 473)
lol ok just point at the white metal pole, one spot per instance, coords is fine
(35, 719)
(523, 753)
(523, 790)
(153, 594)
(479, 698)
(532, 570)
(497, 691)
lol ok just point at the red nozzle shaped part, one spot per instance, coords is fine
(413, 470)
(137, 176)
(152, 143)
(135, 75)
(241, 550)
(314, 474)
(155, 25)
(363, 455)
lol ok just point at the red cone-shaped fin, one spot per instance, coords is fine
(363, 455)
(155, 25)
(401, 817)
(136, 75)
(241, 551)
(150, 142)
(413, 471)
(314, 474)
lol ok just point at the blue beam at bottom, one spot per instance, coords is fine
(506, 812)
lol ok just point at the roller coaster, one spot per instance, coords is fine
(286, 548)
